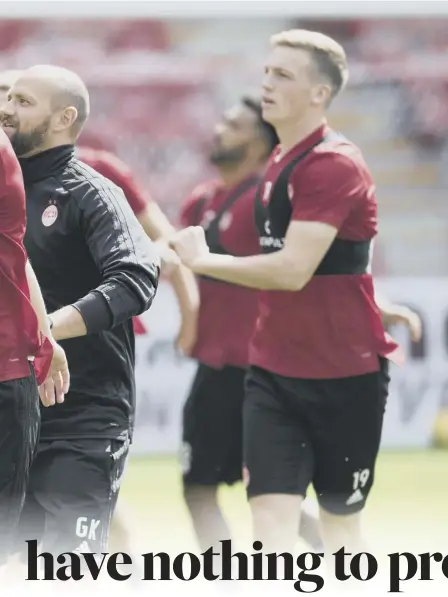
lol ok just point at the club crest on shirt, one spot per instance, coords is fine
(267, 191)
(226, 221)
(50, 214)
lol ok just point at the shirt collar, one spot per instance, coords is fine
(305, 143)
(46, 163)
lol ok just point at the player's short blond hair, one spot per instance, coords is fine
(327, 54)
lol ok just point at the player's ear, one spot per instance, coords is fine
(321, 95)
(66, 118)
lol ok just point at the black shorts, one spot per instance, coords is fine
(19, 433)
(72, 494)
(212, 427)
(327, 433)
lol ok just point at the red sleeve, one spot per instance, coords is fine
(327, 190)
(119, 173)
(12, 191)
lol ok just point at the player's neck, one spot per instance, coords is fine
(291, 134)
(47, 146)
(231, 177)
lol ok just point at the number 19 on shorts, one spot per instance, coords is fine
(360, 478)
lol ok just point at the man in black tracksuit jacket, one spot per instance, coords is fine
(97, 269)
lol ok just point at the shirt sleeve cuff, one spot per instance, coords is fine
(95, 312)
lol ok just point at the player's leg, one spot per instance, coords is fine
(19, 431)
(212, 448)
(309, 527)
(121, 530)
(31, 527)
(348, 426)
(78, 490)
(279, 461)
(122, 537)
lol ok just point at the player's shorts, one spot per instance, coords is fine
(72, 494)
(324, 433)
(212, 427)
(19, 433)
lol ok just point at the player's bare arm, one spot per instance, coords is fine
(159, 229)
(67, 323)
(289, 269)
(394, 314)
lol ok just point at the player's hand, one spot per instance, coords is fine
(169, 259)
(57, 384)
(190, 244)
(409, 318)
(414, 324)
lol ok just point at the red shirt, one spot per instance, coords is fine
(227, 312)
(19, 330)
(117, 171)
(332, 328)
(114, 169)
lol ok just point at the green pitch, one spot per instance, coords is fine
(407, 510)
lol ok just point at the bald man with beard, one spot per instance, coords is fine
(154, 222)
(157, 227)
(97, 269)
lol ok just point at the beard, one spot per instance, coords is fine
(24, 143)
(227, 157)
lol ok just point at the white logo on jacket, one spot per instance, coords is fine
(50, 215)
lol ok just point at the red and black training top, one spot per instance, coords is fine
(227, 312)
(19, 330)
(332, 328)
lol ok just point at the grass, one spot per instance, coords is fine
(407, 509)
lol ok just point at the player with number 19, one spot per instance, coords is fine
(318, 383)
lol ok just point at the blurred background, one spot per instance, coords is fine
(157, 87)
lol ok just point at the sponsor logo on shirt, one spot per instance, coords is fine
(269, 241)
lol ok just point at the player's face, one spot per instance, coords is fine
(290, 86)
(233, 136)
(26, 116)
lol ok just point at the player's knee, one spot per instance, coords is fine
(309, 529)
(340, 530)
(200, 498)
(275, 509)
(310, 507)
(275, 519)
